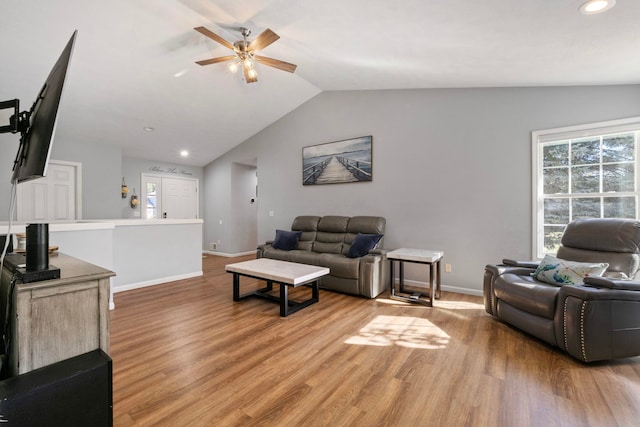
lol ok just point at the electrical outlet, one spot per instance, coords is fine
(447, 268)
(213, 246)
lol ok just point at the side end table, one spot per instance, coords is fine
(419, 256)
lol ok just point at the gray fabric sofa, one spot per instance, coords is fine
(596, 320)
(325, 241)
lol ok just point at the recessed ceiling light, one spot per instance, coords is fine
(148, 128)
(596, 6)
(184, 153)
(180, 73)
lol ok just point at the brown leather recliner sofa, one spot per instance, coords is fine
(597, 320)
(325, 241)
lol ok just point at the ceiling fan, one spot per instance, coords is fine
(245, 53)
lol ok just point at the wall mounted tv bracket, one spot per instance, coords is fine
(18, 122)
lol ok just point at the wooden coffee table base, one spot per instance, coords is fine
(283, 273)
(287, 307)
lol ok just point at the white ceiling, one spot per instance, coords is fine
(133, 64)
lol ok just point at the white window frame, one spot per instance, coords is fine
(565, 133)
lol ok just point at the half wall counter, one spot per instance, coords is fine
(140, 252)
(148, 252)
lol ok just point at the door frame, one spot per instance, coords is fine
(143, 190)
(77, 171)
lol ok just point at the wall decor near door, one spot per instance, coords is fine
(337, 162)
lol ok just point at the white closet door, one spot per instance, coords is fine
(51, 198)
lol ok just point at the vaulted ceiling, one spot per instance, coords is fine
(134, 61)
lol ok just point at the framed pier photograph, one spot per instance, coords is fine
(337, 162)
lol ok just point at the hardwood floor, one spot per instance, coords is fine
(185, 354)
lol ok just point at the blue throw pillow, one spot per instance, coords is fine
(362, 244)
(286, 240)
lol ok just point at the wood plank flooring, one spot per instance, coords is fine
(184, 354)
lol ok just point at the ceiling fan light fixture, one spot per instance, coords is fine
(245, 53)
(593, 7)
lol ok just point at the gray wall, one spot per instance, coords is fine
(244, 221)
(217, 206)
(101, 174)
(102, 170)
(451, 167)
(8, 148)
(101, 165)
(231, 221)
(132, 170)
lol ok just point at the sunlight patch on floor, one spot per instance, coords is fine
(404, 331)
(396, 302)
(459, 305)
(449, 305)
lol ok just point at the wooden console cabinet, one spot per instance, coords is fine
(54, 320)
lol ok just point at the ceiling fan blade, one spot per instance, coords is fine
(276, 63)
(216, 60)
(263, 40)
(214, 36)
(248, 78)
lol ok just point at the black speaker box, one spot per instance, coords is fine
(74, 392)
(3, 239)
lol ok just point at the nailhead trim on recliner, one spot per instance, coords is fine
(584, 350)
(491, 297)
(564, 327)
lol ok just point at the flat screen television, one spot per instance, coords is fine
(37, 126)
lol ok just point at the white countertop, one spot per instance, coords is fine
(61, 226)
(97, 224)
(137, 222)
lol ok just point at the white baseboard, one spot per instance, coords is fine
(224, 254)
(153, 282)
(456, 289)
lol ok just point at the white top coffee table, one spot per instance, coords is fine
(283, 273)
(420, 256)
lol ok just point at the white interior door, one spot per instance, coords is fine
(168, 197)
(51, 198)
(179, 198)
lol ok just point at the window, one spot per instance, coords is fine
(586, 171)
(152, 201)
